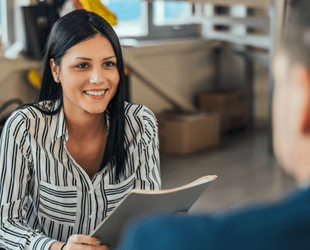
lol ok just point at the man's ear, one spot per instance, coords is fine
(55, 70)
(301, 73)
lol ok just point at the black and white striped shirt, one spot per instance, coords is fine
(46, 196)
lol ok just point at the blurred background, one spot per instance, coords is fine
(203, 67)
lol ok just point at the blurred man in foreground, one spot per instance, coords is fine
(281, 225)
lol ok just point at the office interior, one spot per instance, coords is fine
(174, 52)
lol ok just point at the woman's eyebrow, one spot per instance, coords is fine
(108, 58)
(83, 58)
(88, 59)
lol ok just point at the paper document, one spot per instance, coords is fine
(141, 202)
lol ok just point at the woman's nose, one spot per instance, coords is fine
(96, 77)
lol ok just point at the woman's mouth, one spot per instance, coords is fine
(95, 93)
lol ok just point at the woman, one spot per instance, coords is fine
(68, 160)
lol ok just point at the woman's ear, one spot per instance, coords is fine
(55, 70)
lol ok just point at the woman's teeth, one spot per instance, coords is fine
(95, 93)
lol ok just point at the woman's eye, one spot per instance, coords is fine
(82, 66)
(109, 64)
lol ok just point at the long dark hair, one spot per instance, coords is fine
(71, 29)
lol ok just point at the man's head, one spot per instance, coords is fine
(291, 104)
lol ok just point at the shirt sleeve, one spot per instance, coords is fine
(15, 173)
(148, 171)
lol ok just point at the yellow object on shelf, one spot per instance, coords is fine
(126, 71)
(34, 77)
(97, 7)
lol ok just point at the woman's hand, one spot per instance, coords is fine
(79, 242)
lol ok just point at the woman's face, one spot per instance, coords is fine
(88, 75)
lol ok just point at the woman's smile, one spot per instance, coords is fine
(89, 76)
(95, 93)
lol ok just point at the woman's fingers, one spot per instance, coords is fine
(83, 239)
(79, 241)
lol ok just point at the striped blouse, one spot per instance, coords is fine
(46, 196)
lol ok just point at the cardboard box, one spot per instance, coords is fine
(230, 103)
(188, 133)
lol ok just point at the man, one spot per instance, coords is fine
(281, 225)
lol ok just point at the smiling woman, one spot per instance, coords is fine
(88, 75)
(77, 141)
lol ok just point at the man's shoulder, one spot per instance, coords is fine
(293, 199)
(270, 222)
(280, 225)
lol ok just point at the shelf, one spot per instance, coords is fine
(248, 21)
(258, 41)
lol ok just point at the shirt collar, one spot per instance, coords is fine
(61, 128)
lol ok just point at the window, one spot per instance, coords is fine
(131, 16)
(124, 9)
(155, 19)
(172, 12)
